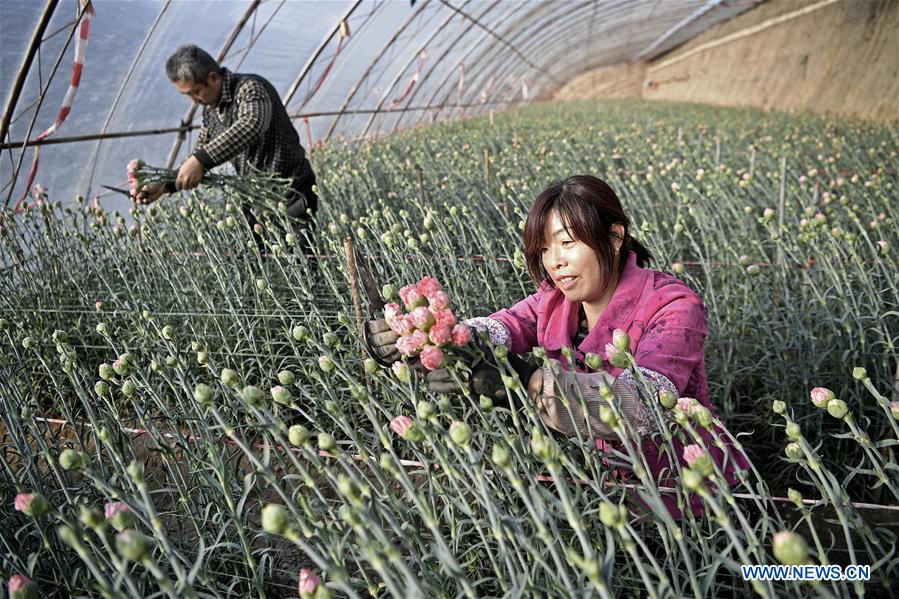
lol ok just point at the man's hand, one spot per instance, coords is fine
(381, 341)
(149, 193)
(189, 174)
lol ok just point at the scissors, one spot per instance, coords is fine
(117, 189)
(375, 305)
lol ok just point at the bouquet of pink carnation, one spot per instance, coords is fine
(425, 324)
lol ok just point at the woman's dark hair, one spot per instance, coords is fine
(588, 208)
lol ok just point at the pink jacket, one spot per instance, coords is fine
(666, 322)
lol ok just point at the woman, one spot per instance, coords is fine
(592, 280)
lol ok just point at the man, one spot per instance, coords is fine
(244, 122)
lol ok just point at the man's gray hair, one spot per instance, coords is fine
(190, 63)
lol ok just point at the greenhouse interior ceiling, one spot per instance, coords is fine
(85, 86)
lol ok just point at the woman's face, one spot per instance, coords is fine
(572, 264)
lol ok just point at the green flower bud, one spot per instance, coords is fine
(753, 270)
(793, 451)
(281, 395)
(168, 331)
(426, 410)
(106, 372)
(69, 536)
(230, 378)
(136, 472)
(59, 336)
(485, 403)
(286, 378)
(261, 285)
(778, 407)
(693, 480)
(795, 496)
(388, 292)
(252, 395)
(202, 357)
(91, 517)
(594, 361)
(28, 342)
(542, 447)
(460, 433)
(274, 519)
(128, 388)
(539, 353)
(793, 431)
(837, 408)
(790, 548)
(203, 394)
(72, 459)
(859, 373)
(330, 340)
(611, 514)
(298, 435)
(4, 324)
(102, 328)
(607, 416)
(500, 456)
(133, 545)
(326, 363)
(668, 399)
(703, 416)
(300, 333)
(371, 366)
(326, 443)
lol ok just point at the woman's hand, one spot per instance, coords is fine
(381, 341)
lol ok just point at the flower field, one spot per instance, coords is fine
(183, 416)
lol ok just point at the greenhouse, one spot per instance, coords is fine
(449, 298)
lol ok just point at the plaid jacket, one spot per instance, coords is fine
(250, 126)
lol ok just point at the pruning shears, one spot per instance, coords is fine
(375, 305)
(117, 189)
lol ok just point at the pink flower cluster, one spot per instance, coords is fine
(427, 325)
(308, 582)
(135, 180)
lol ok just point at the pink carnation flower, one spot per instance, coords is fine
(22, 501)
(401, 425)
(422, 318)
(439, 301)
(687, 404)
(406, 345)
(114, 507)
(431, 357)
(401, 324)
(308, 581)
(411, 297)
(18, 583)
(428, 287)
(440, 334)
(692, 453)
(821, 396)
(461, 335)
(391, 311)
(445, 317)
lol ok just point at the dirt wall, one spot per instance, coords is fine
(618, 81)
(827, 56)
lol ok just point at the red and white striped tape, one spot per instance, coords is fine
(412, 81)
(87, 12)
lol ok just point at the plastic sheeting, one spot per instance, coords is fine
(403, 63)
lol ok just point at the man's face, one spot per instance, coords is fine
(206, 92)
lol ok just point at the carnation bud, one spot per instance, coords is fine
(778, 407)
(371, 366)
(894, 410)
(542, 447)
(168, 331)
(426, 410)
(119, 515)
(693, 480)
(326, 443)
(793, 431)
(229, 378)
(388, 292)
(539, 353)
(460, 432)
(703, 416)
(793, 451)
(102, 328)
(274, 519)
(837, 408)
(859, 373)
(667, 399)
(28, 342)
(621, 340)
(485, 403)
(500, 455)
(72, 459)
(326, 363)
(611, 514)
(753, 270)
(106, 372)
(203, 394)
(21, 587)
(128, 388)
(31, 504)
(607, 416)
(286, 378)
(298, 435)
(795, 496)
(300, 333)
(91, 517)
(4, 324)
(133, 545)
(821, 396)
(281, 395)
(136, 472)
(252, 395)
(790, 548)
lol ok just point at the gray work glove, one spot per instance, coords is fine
(380, 342)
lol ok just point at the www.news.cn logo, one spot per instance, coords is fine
(808, 572)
